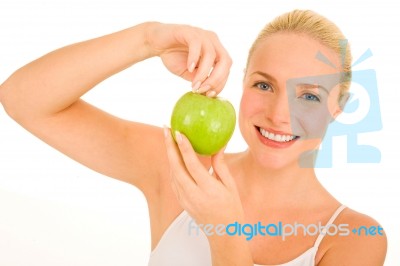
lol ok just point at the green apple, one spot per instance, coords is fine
(207, 122)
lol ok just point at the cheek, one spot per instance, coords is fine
(317, 120)
(311, 122)
(316, 124)
(250, 104)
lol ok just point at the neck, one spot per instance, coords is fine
(283, 186)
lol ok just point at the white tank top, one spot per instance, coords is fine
(184, 244)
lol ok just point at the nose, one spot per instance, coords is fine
(277, 109)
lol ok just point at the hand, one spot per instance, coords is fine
(208, 199)
(191, 53)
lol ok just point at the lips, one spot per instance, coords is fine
(276, 139)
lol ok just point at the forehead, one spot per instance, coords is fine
(290, 55)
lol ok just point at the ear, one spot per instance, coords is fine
(342, 102)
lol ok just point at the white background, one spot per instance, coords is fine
(54, 211)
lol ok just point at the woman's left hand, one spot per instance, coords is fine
(209, 199)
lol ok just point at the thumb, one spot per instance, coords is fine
(221, 169)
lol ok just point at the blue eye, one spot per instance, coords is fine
(263, 86)
(310, 97)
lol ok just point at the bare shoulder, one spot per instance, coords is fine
(362, 241)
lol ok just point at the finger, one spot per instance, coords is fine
(212, 173)
(193, 165)
(182, 194)
(219, 75)
(221, 169)
(205, 65)
(194, 54)
(220, 72)
(178, 170)
(190, 37)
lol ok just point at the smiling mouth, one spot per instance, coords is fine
(282, 138)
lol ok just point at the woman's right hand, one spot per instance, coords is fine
(45, 96)
(192, 53)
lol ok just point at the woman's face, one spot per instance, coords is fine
(289, 98)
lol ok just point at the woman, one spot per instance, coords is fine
(289, 98)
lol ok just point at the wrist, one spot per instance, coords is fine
(150, 30)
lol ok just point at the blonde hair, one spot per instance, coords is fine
(317, 27)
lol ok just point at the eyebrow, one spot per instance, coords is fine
(265, 75)
(308, 85)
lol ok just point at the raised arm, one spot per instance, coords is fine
(44, 96)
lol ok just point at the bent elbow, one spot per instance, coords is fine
(6, 100)
(3, 97)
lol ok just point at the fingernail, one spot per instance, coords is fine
(196, 86)
(166, 131)
(191, 67)
(178, 137)
(204, 88)
(211, 94)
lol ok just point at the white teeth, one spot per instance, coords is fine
(276, 137)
